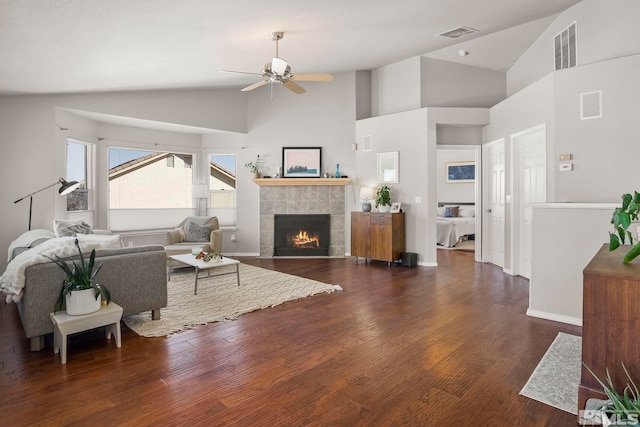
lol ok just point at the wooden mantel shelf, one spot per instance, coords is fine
(302, 181)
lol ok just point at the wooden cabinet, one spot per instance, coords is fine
(378, 236)
(610, 322)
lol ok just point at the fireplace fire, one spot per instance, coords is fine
(302, 235)
(303, 240)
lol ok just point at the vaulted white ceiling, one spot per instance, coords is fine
(67, 46)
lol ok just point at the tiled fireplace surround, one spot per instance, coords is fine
(302, 199)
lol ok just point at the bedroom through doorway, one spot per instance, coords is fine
(457, 221)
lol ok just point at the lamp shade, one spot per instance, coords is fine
(366, 193)
(67, 187)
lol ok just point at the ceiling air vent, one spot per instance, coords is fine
(458, 32)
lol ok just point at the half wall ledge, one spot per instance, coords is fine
(302, 181)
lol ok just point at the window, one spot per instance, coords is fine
(78, 170)
(143, 179)
(222, 188)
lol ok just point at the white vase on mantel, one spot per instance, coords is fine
(82, 302)
(384, 208)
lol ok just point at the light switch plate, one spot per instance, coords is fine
(566, 167)
(418, 200)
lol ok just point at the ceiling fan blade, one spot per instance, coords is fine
(241, 72)
(279, 66)
(294, 87)
(255, 86)
(312, 77)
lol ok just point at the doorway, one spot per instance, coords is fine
(464, 193)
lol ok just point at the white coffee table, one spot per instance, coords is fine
(199, 264)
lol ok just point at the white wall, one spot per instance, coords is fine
(605, 30)
(407, 133)
(396, 87)
(322, 117)
(605, 150)
(566, 236)
(449, 84)
(454, 192)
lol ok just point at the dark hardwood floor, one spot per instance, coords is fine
(399, 346)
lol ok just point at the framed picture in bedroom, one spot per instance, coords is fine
(301, 162)
(395, 207)
(460, 172)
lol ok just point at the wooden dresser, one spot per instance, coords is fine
(610, 322)
(378, 236)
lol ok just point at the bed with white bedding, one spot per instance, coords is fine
(453, 225)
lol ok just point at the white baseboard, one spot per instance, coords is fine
(427, 264)
(555, 317)
(256, 254)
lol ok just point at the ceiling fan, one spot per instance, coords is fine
(279, 71)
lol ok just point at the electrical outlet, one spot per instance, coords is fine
(233, 237)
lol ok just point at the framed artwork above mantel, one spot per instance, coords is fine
(301, 162)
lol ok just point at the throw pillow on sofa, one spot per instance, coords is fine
(64, 228)
(451, 211)
(197, 233)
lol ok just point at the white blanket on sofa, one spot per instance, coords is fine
(12, 280)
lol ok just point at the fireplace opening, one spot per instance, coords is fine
(301, 234)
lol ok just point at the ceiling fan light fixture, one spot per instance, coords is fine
(278, 70)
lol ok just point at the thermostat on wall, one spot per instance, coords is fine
(566, 167)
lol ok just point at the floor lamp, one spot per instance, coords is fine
(66, 187)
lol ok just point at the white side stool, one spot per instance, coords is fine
(64, 325)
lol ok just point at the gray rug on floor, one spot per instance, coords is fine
(220, 298)
(556, 379)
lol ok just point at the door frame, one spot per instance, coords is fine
(478, 256)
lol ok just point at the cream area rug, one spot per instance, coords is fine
(556, 379)
(220, 298)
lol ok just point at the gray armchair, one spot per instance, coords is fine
(193, 232)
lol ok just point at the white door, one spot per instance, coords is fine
(531, 146)
(493, 155)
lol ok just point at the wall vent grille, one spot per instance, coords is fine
(565, 48)
(458, 32)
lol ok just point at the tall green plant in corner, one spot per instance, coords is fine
(622, 218)
(79, 277)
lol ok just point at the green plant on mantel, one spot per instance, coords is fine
(254, 166)
(622, 409)
(622, 218)
(383, 196)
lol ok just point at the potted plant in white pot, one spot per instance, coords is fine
(79, 293)
(383, 199)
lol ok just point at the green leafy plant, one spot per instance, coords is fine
(254, 166)
(383, 196)
(626, 406)
(79, 277)
(621, 220)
